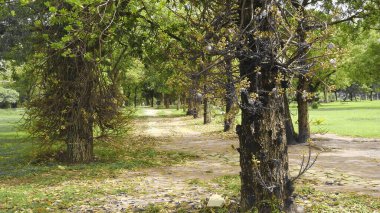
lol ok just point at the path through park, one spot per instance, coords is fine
(344, 165)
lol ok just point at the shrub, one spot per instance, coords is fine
(315, 105)
(8, 97)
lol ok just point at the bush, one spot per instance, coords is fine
(8, 97)
(315, 105)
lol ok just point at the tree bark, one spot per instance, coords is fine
(325, 94)
(206, 108)
(147, 101)
(196, 108)
(303, 110)
(265, 184)
(262, 137)
(166, 102)
(135, 97)
(291, 135)
(190, 108)
(79, 140)
(80, 145)
(230, 94)
(178, 101)
(207, 113)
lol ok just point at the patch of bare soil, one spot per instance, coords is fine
(343, 165)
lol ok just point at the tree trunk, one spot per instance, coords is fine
(206, 108)
(263, 145)
(80, 145)
(147, 101)
(190, 108)
(265, 184)
(196, 108)
(230, 94)
(207, 113)
(79, 139)
(162, 100)
(336, 96)
(371, 95)
(165, 101)
(152, 101)
(128, 96)
(135, 97)
(291, 135)
(325, 94)
(183, 102)
(303, 110)
(178, 101)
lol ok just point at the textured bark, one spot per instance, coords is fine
(291, 135)
(178, 102)
(230, 94)
(265, 184)
(190, 108)
(206, 107)
(303, 110)
(325, 94)
(196, 109)
(167, 101)
(147, 101)
(135, 97)
(80, 145)
(262, 137)
(79, 140)
(162, 100)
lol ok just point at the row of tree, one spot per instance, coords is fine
(77, 63)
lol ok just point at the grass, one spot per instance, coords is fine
(355, 119)
(53, 186)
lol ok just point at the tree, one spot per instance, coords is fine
(79, 83)
(8, 97)
(263, 145)
(267, 39)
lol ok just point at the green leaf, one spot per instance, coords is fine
(53, 9)
(75, 2)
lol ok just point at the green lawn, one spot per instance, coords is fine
(357, 119)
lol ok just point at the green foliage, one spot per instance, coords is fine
(314, 105)
(363, 61)
(78, 84)
(8, 96)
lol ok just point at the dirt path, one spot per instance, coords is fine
(344, 165)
